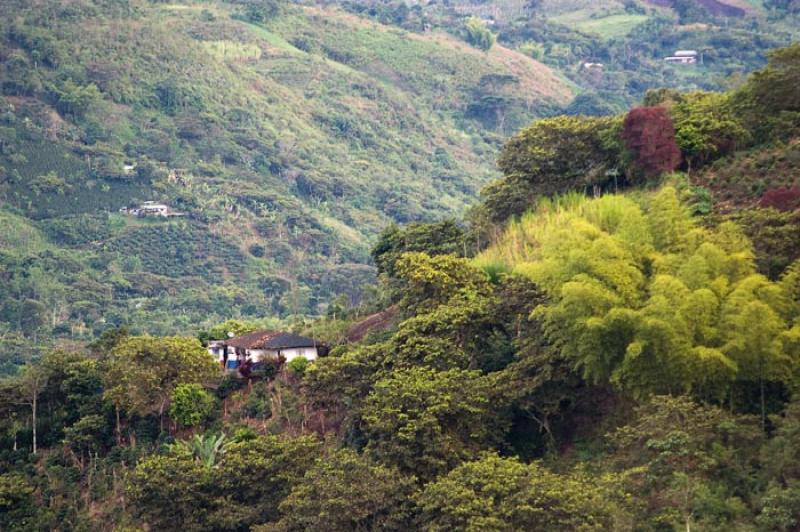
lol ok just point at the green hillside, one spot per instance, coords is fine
(626, 40)
(288, 135)
(607, 345)
(291, 135)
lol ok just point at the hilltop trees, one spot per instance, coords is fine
(428, 282)
(440, 238)
(650, 136)
(774, 88)
(550, 157)
(706, 127)
(589, 154)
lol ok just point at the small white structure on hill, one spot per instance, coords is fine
(151, 208)
(683, 57)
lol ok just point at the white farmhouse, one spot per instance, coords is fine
(264, 346)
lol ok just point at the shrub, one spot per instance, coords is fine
(784, 199)
(478, 35)
(230, 383)
(258, 404)
(191, 405)
(265, 370)
(256, 250)
(297, 366)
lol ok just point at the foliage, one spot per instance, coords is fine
(255, 475)
(775, 237)
(550, 157)
(478, 35)
(773, 87)
(425, 421)
(431, 281)
(442, 238)
(230, 328)
(496, 493)
(142, 373)
(650, 136)
(785, 199)
(677, 451)
(297, 366)
(18, 510)
(190, 405)
(171, 492)
(210, 484)
(205, 449)
(706, 127)
(345, 491)
(632, 288)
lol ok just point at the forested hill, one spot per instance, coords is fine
(289, 135)
(611, 343)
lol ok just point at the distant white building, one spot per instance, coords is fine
(593, 66)
(151, 208)
(683, 57)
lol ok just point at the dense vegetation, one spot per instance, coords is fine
(290, 136)
(608, 340)
(609, 350)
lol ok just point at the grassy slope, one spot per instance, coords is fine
(606, 19)
(314, 132)
(607, 27)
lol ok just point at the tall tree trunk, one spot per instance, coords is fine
(731, 399)
(33, 418)
(763, 400)
(119, 428)
(763, 407)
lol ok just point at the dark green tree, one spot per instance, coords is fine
(345, 491)
(497, 494)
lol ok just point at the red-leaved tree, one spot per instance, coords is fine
(649, 134)
(785, 199)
